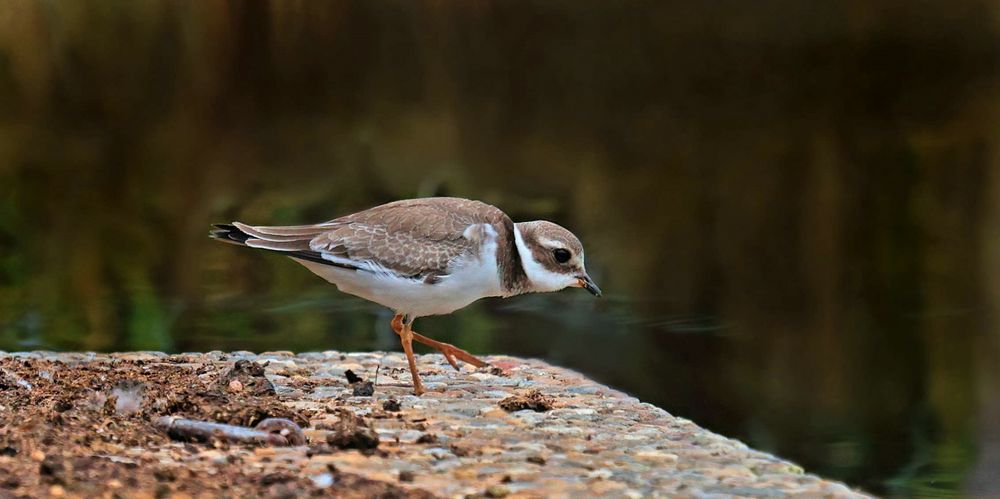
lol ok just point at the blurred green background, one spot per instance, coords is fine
(793, 207)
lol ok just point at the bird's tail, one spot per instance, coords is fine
(229, 233)
(292, 240)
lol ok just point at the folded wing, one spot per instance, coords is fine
(414, 238)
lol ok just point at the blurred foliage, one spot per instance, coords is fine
(792, 205)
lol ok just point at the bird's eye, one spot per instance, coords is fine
(562, 255)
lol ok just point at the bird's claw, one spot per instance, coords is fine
(451, 359)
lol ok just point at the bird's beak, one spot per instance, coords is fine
(587, 283)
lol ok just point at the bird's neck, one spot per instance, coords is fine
(510, 261)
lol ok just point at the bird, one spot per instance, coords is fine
(427, 256)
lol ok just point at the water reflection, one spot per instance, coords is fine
(792, 207)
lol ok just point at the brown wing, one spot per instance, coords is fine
(414, 237)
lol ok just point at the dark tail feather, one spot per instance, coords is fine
(228, 233)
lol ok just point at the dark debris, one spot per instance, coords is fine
(246, 376)
(352, 432)
(533, 399)
(359, 387)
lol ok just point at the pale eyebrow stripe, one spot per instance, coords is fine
(551, 243)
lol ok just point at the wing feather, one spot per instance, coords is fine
(278, 233)
(412, 238)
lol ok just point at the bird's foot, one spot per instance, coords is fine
(450, 352)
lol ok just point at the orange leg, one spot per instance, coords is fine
(449, 351)
(406, 338)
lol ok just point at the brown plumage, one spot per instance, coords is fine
(427, 256)
(411, 238)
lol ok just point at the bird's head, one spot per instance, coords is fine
(552, 257)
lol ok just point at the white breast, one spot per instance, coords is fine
(470, 277)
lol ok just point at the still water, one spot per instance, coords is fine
(793, 207)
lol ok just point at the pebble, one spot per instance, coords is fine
(495, 394)
(602, 474)
(497, 491)
(322, 480)
(656, 455)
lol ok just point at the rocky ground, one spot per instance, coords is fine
(136, 425)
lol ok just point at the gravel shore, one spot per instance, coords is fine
(523, 428)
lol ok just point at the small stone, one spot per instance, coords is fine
(406, 476)
(363, 389)
(492, 412)
(606, 488)
(359, 387)
(404, 436)
(461, 450)
(427, 438)
(57, 491)
(435, 386)
(600, 474)
(235, 386)
(497, 491)
(323, 480)
(278, 353)
(468, 473)
(734, 471)
(656, 455)
(37, 456)
(276, 477)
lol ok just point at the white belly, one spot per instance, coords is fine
(468, 281)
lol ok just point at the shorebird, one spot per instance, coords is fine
(428, 256)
